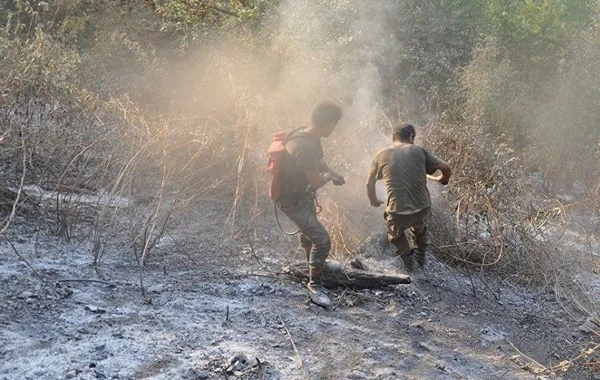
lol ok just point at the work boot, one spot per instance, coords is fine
(318, 295)
(408, 259)
(333, 266)
(421, 240)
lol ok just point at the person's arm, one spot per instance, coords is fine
(305, 154)
(337, 179)
(375, 202)
(316, 179)
(443, 178)
(433, 164)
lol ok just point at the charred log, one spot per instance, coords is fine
(352, 278)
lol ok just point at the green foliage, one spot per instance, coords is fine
(568, 134)
(494, 92)
(439, 37)
(532, 79)
(195, 20)
(536, 34)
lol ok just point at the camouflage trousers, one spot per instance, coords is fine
(396, 225)
(314, 238)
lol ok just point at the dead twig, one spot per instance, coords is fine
(298, 356)
(14, 249)
(254, 254)
(180, 248)
(223, 10)
(565, 364)
(13, 211)
(86, 280)
(472, 285)
(541, 368)
(250, 275)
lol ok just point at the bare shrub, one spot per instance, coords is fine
(494, 218)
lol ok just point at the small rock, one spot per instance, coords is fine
(95, 309)
(26, 294)
(237, 363)
(65, 292)
(418, 324)
(357, 264)
(424, 346)
(157, 288)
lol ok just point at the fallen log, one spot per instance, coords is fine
(352, 278)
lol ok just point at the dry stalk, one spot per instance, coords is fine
(540, 368)
(298, 356)
(13, 210)
(565, 365)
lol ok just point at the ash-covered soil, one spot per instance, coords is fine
(218, 308)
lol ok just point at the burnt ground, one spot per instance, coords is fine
(218, 308)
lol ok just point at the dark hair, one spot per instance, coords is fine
(402, 132)
(324, 113)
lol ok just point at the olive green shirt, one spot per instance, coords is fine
(403, 168)
(303, 153)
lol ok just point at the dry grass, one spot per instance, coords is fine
(493, 216)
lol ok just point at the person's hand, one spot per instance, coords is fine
(376, 202)
(338, 180)
(328, 176)
(438, 178)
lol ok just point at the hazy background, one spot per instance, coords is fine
(172, 103)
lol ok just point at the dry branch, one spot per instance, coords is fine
(11, 216)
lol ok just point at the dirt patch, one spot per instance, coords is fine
(203, 320)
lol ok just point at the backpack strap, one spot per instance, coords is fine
(291, 136)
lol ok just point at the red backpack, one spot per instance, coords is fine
(274, 153)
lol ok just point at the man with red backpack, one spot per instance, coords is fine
(301, 172)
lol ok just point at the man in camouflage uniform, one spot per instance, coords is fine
(302, 172)
(404, 168)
